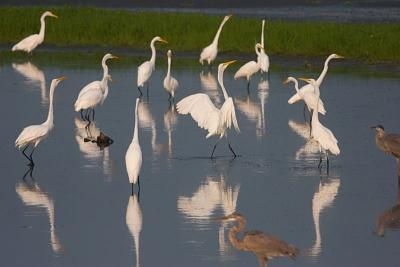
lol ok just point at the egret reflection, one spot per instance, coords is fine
(210, 85)
(211, 197)
(322, 199)
(33, 195)
(310, 149)
(170, 121)
(148, 123)
(134, 221)
(94, 146)
(390, 219)
(33, 76)
(263, 93)
(251, 110)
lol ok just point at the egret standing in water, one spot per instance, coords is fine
(309, 88)
(133, 156)
(215, 121)
(250, 68)
(95, 92)
(170, 83)
(210, 52)
(146, 68)
(264, 246)
(263, 58)
(325, 138)
(34, 134)
(29, 43)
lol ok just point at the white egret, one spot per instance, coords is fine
(325, 138)
(210, 52)
(308, 88)
(250, 68)
(29, 43)
(95, 92)
(34, 134)
(133, 156)
(170, 83)
(134, 221)
(263, 58)
(215, 121)
(146, 68)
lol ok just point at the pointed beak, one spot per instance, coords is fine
(339, 56)
(163, 40)
(228, 16)
(285, 81)
(115, 57)
(62, 78)
(305, 79)
(229, 62)
(53, 15)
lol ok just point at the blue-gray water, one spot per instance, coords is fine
(74, 213)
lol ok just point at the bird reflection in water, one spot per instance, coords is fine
(322, 199)
(210, 197)
(310, 149)
(170, 121)
(34, 76)
(210, 85)
(134, 222)
(390, 219)
(264, 246)
(33, 195)
(94, 145)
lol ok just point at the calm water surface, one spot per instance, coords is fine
(77, 209)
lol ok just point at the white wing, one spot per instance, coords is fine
(202, 111)
(31, 134)
(247, 69)
(27, 44)
(89, 99)
(95, 85)
(144, 73)
(308, 88)
(229, 114)
(311, 100)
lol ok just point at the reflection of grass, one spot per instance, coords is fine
(191, 32)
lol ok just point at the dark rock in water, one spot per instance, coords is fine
(103, 140)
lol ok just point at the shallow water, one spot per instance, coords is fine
(77, 209)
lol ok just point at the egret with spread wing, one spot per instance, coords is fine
(215, 121)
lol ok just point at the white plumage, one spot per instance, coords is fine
(215, 121)
(250, 68)
(146, 68)
(133, 156)
(210, 52)
(263, 58)
(170, 83)
(34, 134)
(29, 43)
(134, 221)
(308, 87)
(310, 98)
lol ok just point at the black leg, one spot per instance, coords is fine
(31, 159)
(320, 159)
(132, 189)
(169, 98)
(140, 91)
(327, 163)
(311, 111)
(138, 184)
(93, 114)
(23, 152)
(82, 114)
(230, 147)
(248, 87)
(215, 146)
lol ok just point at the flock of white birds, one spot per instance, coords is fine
(215, 120)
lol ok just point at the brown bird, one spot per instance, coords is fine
(388, 143)
(264, 246)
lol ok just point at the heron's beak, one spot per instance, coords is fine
(62, 78)
(305, 79)
(55, 16)
(164, 41)
(115, 57)
(226, 64)
(339, 56)
(286, 81)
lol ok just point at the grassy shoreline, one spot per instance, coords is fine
(370, 43)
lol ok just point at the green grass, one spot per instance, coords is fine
(373, 43)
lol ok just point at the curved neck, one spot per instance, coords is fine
(238, 244)
(256, 48)
(50, 116)
(216, 37)
(262, 33)
(153, 53)
(221, 82)
(104, 84)
(136, 131)
(324, 71)
(105, 67)
(296, 86)
(42, 27)
(169, 67)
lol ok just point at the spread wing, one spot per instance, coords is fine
(229, 114)
(202, 111)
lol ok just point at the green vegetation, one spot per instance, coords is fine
(373, 43)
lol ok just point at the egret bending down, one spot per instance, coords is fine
(263, 58)
(146, 68)
(95, 92)
(32, 41)
(210, 52)
(170, 83)
(325, 138)
(250, 68)
(309, 88)
(133, 156)
(34, 134)
(215, 121)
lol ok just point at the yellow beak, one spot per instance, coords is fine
(115, 57)
(339, 56)
(164, 41)
(285, 82)
(229, 62)
(55, 16)
(62, 78)
(229, 15)
(305, 79)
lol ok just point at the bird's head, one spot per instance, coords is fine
(227, 17)
(336, 56)
(109, 78)
(169, 53)
(223, 66)
(159, 39)
(49, 14)
(378, 128)
(289, 79)
(56, 81)
(310, 81)
(109, 56)
(259, 46)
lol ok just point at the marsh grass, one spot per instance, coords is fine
(373, 43)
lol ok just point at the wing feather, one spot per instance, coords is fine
(229, 114)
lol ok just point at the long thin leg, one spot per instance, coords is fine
(215, 146)
(148, 90)
(248, 87)
(30, 157)
(140, 91)
(169, 98)
(93, 114)
(132, 189)
(310, 111)
(320, 158)
(26, 156)
(230, 147)
(138, 184)
(327, 162)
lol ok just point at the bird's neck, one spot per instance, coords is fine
(136, 131)
(221, 83)
(42, 27)
(216, 37)
(296, 86)
(262, 33)
(315, 111)
(237, 243)
(324, 71)
(50, 116)
(105, 67)
(104, 84)
(169, 67)
(153, 54)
